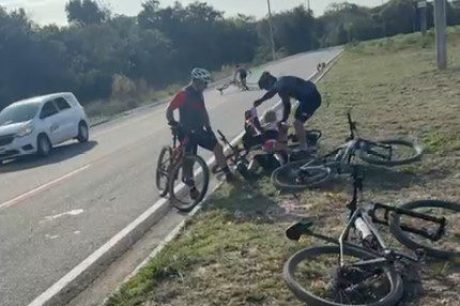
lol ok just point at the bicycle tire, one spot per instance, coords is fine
(160, 173)
(370, 158)
(175, 199)
(404, 238)
(285, 177)
(392, 298)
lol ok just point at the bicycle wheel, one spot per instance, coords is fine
(300, 175)
(188, 183)
(162, 172)
(393, 152)
(448, 246)
(313, 275)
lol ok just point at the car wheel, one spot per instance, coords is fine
(43, 145)
(83, 132)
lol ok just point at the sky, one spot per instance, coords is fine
(52, 11)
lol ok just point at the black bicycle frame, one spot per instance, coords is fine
(441, 222)
(224, 139)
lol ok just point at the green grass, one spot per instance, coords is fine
(232, 252)
(117, 105)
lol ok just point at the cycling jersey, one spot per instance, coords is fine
(194, 120)
(192, 110)
(293, 87)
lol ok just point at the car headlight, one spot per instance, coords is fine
(25, 131)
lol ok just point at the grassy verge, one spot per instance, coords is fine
(118, 104)
(99, 111)
(233, 251)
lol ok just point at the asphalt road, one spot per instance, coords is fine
(55, 212)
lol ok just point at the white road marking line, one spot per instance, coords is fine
(41, 188)
(52, 291)
(51, 237)
(74, 212)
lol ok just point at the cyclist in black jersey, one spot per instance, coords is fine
(242, 73)
(288, 87)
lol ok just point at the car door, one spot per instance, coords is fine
(49, 116)
(68, 120)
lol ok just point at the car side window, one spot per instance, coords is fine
(48, 110)
(62, 104)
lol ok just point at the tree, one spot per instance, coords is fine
(85, 12)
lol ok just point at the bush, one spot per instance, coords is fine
(123, 87)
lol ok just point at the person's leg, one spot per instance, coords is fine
(244, 83)
(300, 119)
(305, 111)
(187, 171)
(220, 156)
(209, 142)
(300, 133)
(222, 162)
(282, 150)
(283, 133)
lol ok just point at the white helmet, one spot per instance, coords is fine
(201, 75)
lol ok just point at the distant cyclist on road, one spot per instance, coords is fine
(292, 87)
(242, 73)
(194, 120)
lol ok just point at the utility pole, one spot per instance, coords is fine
(270, 23)
(308, 5)
(441, 33)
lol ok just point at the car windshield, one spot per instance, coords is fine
(18, 113)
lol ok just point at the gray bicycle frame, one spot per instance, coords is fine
(343, 157)
(360, 213)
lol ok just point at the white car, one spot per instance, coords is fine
(35, 125)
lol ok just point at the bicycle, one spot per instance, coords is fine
(314, 171)
(365, 273)
(236, 159)
(176, 168)
(237, 83)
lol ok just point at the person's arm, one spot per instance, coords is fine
(176, 103)
(268, 95)
(286, 100)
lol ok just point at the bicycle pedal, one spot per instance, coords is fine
(295, 231)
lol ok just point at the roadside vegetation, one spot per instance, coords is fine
(99, 52)
(232, 252)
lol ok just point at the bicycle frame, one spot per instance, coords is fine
(364, 220)
(344, 154)
(369, 218)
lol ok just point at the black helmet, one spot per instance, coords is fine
(266, 81)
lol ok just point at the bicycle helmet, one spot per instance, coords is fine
(201, 74)
(266, 81)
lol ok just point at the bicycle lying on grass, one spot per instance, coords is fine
(238, 158)
(177, 169)
(365, 272)
(307, 173)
